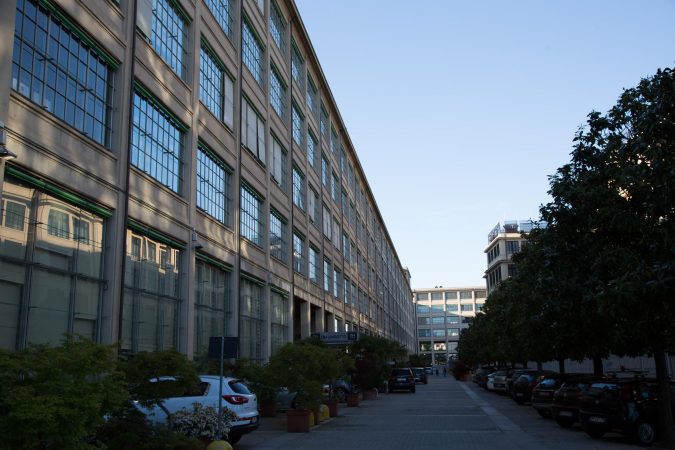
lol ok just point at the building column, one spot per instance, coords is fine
(319, 326)
(330, 322)
(305, 321)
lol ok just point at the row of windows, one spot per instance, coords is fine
(440, 309)
(450, 295)
(441, 333)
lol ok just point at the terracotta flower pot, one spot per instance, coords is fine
(297, 420)
(352, 399)
(332, 407)
(370, 394)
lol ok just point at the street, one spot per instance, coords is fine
(445, 414)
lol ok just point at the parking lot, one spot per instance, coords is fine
(444, 414)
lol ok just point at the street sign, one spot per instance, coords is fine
(337, 338)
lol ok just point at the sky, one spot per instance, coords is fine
(459, 111)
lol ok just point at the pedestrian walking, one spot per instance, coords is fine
(445, 371)
(436, 369)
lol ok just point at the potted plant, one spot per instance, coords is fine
(335, 364)
(373, 356)
(297, 367)
(264, 384)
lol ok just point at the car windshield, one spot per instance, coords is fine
(598, 389)
(548, 383)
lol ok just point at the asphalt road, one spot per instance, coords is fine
(444, 414)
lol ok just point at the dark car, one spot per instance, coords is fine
(401, 379)
(481, 376)
(625, 406)
(521, 391)
(511, 378)
(565, 403)
(420, 375)
(543, 392)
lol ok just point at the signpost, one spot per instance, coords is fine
(221, 347)
(338, 337)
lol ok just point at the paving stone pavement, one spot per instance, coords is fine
(444, 414)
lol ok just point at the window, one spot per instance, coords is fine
(213, 304)
(277, 27)
(451, 308)
(299, 258)
(451, 295)
(298, 188)
(468, 307)
(251, 320)
(423, 321)
(479, 306)
(311, 96)
(278, 171)
(313, 206)
(512, 270)
(15, 215)
(150, 312)
(335, 188)
(157, 143)
(253, 131)
(278, 319)
(261, 6)
(325, 171)
(169, 35)
(465, 295)
(334, 143)
(327, 274)
(298, 120)
(277, 93)
(251, 223)
(278, 240)
(423, 309)
(453, 332)
(313, 264)
(221, 11)
(57, 224)
(481, 294)
(436, 296)
(252, 52)
(297, 67)
(438, 333)
(346, 290)
(422, 296)
(345, 246)
(324, 122)
(512, 247)
(213, 186)
(438, 320)
(216, 89)
(311, 150)
(336, 233)
(437, 309)
(453, 320)
(424, 333)
(326, 222)
(336, 283)
(53, 67)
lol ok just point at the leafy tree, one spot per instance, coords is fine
(372, 357)
(54, 397)
(298, 367)
(144, 371)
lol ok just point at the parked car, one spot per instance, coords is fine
(481, 375)
(489, 381)
(420, 375)
(340, 389)
(499, 381)
(565, 403)
(625, 406)
(401, 379)
(513, 376)
(543, 392)
(428, 370)
(236, 397)
(524, 384)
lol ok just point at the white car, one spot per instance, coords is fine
(236, 397)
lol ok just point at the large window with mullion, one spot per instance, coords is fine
(169, 35)
(252, 52)
(277, 93)
(279, 319)
(216, 88)
(213, 186)
(62, 69)
(221, 11)
(277, 26)
(298, 121)
(297, 67)
(299, 256)
(298, 188)
(157, 142)
(250, 215)
(253, 131)
(251, 320)
(311, 150)
(278, 236)
(278, 169)
(213, 303)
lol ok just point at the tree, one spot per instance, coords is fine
(619, 187)
(144, 371)
(54, 397)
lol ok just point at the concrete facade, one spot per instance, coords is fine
(442, 313)
(183, 171)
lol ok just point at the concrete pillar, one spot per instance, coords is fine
(330, 322)
(305, 329)
(318, 320)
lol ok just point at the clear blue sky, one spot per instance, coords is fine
(460, 110)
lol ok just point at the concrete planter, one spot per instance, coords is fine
(370, 394)
(297, 420)
(332, 407)
(352, 399)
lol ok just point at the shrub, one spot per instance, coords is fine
(202, 422)
(459, 370)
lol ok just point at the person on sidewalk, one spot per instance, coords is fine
(445, 371)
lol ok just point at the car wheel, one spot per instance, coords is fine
(233, 439)
(595, 433)
(565, 423)
(645, 433)
(543, 413)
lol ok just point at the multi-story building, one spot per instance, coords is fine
(504, 241)
(182, 171)
(442, 313)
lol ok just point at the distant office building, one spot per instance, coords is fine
(504, 241)
(442, 313)
(182, 171)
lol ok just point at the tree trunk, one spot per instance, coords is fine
(561, 365)
(598, 369)
(664, 412)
